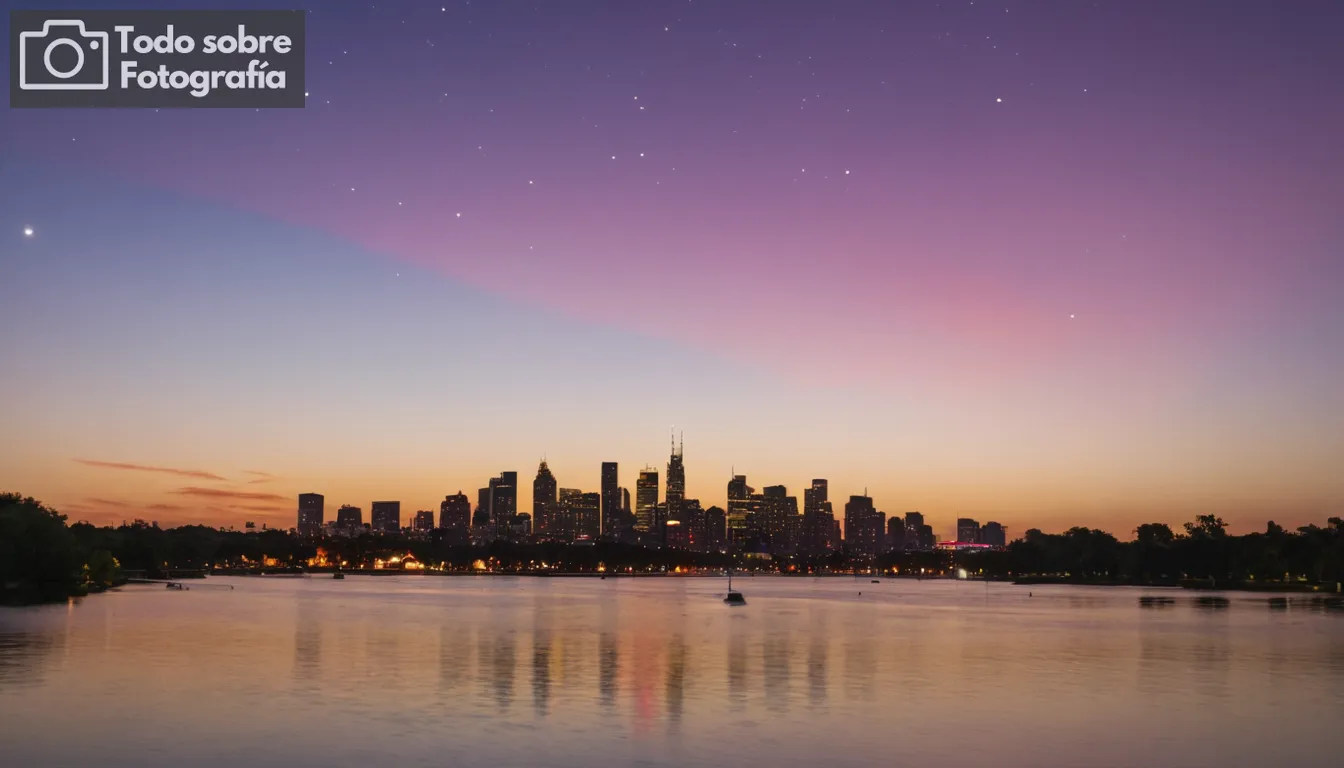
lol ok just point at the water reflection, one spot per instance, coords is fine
(676, 679)
(24, 658)
(307, 645)
(637, 673)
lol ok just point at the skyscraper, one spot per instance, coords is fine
(569, 507)
(543, 500)
(676, 479)
(585, 509)
(503, 504)
(895, 534)
(646, 498)
(777, 519)
(739, 507)
(349, 518)
(968, 531)
(611, 497)
(385, 516)
(311, 513)
(994, 535)
(716, 529)
(692, 519)
(864, 532)
(455, 512)
(917, 535)
(481, 519)
(817, 520)
(423, 522)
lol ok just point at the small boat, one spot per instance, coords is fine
(338, 575)
(175, 585)
(733, 598)
(876, 581)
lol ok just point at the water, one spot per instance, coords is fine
(493, 671)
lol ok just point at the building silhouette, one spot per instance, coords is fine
(423, 522)
(481, 519)
(918, 535)
(311, 512)
(776, 519)
(646, 498)
(691, 516)
(994, 535)
(716, 529)
(676, 479)
(349, 518)
(611, 498)
(385, 516)
(503, 500)
(968, 531)
(739, 508)
(544, 501)
(895, 534)
(818, 520)
(864, 528)
(585, 512)
(455, 512)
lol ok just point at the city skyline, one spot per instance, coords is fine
(500, 504)
(1045, 264)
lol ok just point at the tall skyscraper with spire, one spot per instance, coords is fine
(676, 478)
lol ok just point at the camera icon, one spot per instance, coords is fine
(64, 56)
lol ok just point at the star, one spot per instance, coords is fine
(1072, 316)
(27, 231)
(459, 215)
(998, 101)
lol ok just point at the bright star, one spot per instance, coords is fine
(998, 101)
(27, 231)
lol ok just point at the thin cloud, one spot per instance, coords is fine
(108, 503)
(220, 493)
(261, 477)
(196, 473)
(277, 509)
(165, 507)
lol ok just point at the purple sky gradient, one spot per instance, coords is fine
(1046, 262)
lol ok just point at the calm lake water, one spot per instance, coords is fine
(494, 671)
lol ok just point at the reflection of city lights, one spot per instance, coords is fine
(479, 565)
(961, 573)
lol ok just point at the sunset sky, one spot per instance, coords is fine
(1047, 263)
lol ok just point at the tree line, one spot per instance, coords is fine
(1203, 552)
(43, 558)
